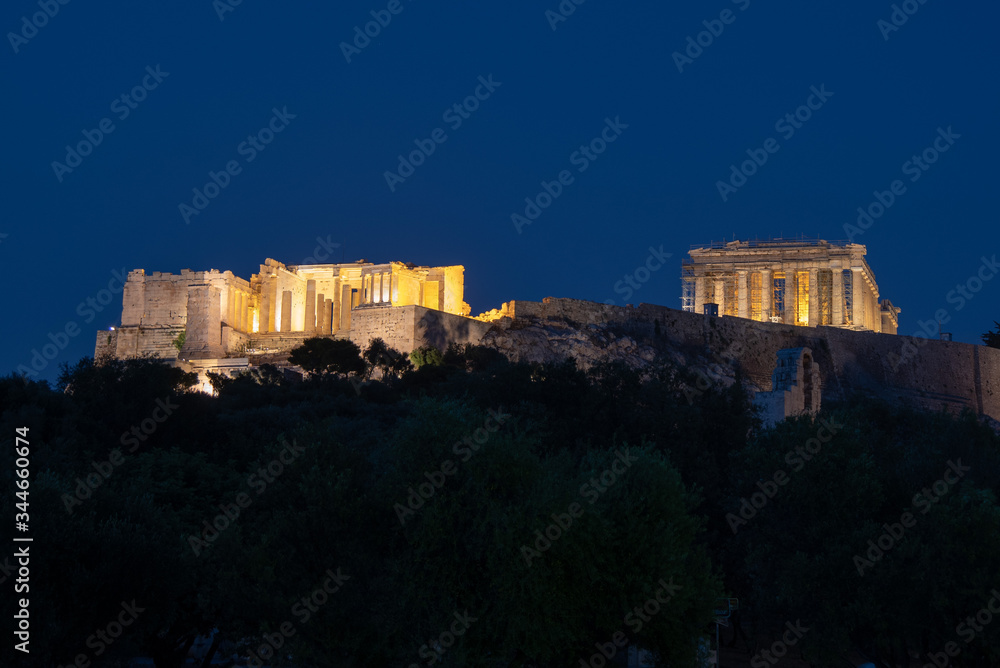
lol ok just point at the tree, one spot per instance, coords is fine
(836, 533)
(378, 355)
(320, 356)
(426, 356)
(992, 339)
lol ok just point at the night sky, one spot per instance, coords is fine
(212, 76)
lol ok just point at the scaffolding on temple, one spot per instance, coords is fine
(687, 286)
(778, 299)
(731, 295)
(801, 281)
(756, 290)
(825, 278)
(848, 297)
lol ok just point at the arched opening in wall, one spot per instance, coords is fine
(807, 384)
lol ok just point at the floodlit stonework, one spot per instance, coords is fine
(795, 387)
(796, 282)
(196, 317)
(222, 318)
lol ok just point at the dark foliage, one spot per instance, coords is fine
(449, 490)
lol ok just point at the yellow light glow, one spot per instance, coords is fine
(802, 298)
(755, 294)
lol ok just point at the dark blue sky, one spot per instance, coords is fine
(323, 175)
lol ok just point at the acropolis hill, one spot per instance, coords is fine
(791, 342)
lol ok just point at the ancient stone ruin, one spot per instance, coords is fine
(215, 321)
(212, 320)
(795, 386)
(808, 282)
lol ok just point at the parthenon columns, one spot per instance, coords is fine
(766, 291)
(786, 280)
(743, 310)
(857, 288)
(838, 297)
(791, 303)
(699, 294)
(814, 315)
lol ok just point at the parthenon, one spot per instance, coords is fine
(808, 282)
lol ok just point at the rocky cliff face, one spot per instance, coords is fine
(549, 341)
(936, 375)
(553, 340)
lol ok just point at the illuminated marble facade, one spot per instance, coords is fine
(799, 282)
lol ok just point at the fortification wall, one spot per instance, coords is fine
(234, 342)
(161, 299)
(438, 329)
(407, 327)
(158, 299)
(135, 341)
(395, 326)
(106, 343)
(930, 373)
(272, 341)
(574, 310)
